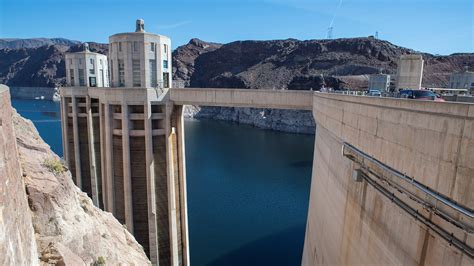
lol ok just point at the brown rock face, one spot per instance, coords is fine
(185, 56)
(69, 230)
(296, 64)
(291, 63)
(17, 240)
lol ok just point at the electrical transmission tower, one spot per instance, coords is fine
(329, 33)
(376, 35)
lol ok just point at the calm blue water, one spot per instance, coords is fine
(47, 119)
(248, 188)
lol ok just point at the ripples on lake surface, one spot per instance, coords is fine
(248, 188)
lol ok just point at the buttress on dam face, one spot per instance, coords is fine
(392, 179)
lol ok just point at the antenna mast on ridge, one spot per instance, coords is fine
(329, 36)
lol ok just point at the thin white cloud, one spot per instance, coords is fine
(173, 26)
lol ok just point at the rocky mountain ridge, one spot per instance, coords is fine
(288, 64)
(275, 64)
(15, 43)
(298, 65)
(294, 64)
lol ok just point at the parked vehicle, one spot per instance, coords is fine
(420, 95)
(375, 93)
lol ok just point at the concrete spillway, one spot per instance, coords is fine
(125, 148)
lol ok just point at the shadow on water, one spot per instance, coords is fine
(255, 253)
(301, 164)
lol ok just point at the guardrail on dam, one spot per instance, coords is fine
(392, 178)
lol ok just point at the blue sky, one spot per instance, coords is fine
(434, 26)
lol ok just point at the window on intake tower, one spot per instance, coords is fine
(82, 81)
(121, 67)
(136, 73)
(71, 76)
(152, 47)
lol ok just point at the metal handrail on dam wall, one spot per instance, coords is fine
(353, 222)
(377, 173)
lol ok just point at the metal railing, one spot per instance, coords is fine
(447, 209)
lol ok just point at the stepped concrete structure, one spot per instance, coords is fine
(462, 80)
(392, 178)
(409, 72)
(379, 82)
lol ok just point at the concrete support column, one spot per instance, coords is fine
(77, 153)
(109, 190)
(102, 155)
(92, 161)
(127, 178)
(150, 185)
(64, 119)
(178, 116)
(171, 157)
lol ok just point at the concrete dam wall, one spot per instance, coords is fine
(373, 222)
(17, 240)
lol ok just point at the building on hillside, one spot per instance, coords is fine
(379, 82)
(462, 80)
(87, 69)
(410, 72)
(140, 59)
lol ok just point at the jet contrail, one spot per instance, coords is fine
(335, 12)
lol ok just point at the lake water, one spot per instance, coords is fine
(248, 188)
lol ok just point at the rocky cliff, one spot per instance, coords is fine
(57, 223)
(295, 64)
(185, 56)
(17, 239)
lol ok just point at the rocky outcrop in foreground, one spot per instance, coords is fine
(17, 239)
(68, 228)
